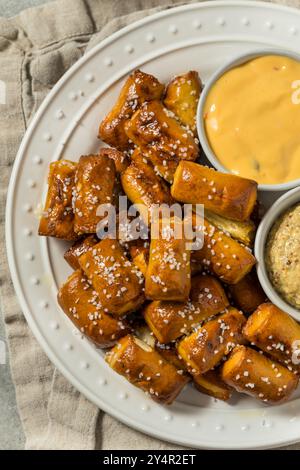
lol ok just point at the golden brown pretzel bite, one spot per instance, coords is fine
(247, 294)
(222, 255)
(204, 349)
(58, 217)
(161, 138)
(250, 372)
(143, 332)
(168, 275)
(80, 303)
(147, 369)
(196, 266)
(95, 179)
(137, 156)
(143, 186)
(242, 231)
(182, 96)
(212, 384)
(225, 194)
(164, 169)
(170, 320)
(117, 192)
(116, 280)
(78, 248)
(276, 333)
(209, 383)
(140, 256)
(120, 159)
(139, 87)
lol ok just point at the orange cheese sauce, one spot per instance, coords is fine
(252, 119)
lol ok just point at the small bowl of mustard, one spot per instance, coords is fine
(277, 250)
(248, 118)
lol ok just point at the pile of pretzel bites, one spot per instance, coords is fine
(168, 315)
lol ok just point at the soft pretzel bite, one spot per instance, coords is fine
(196, 266)
(205, 348)
(212, 384)
(168, 275)
(80, 303)
(139, 87)
(140, 257)
(58, 218)
(116, 280)
(120, 159)
(208, 292)
(95, 180)
(162, 170)
(143, 186)
(182, 96)
(169, 353)
(222, 255)
(138, 157)
(170, 320)
(161, 138)
(247, 294)
(223, 193)
(243, 231)
(209, 383)
(250, 372)
(78, 248)
(147, 369)
(276, 333)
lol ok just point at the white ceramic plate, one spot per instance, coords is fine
(199, 36)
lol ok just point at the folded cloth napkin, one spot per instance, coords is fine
(36, 48)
